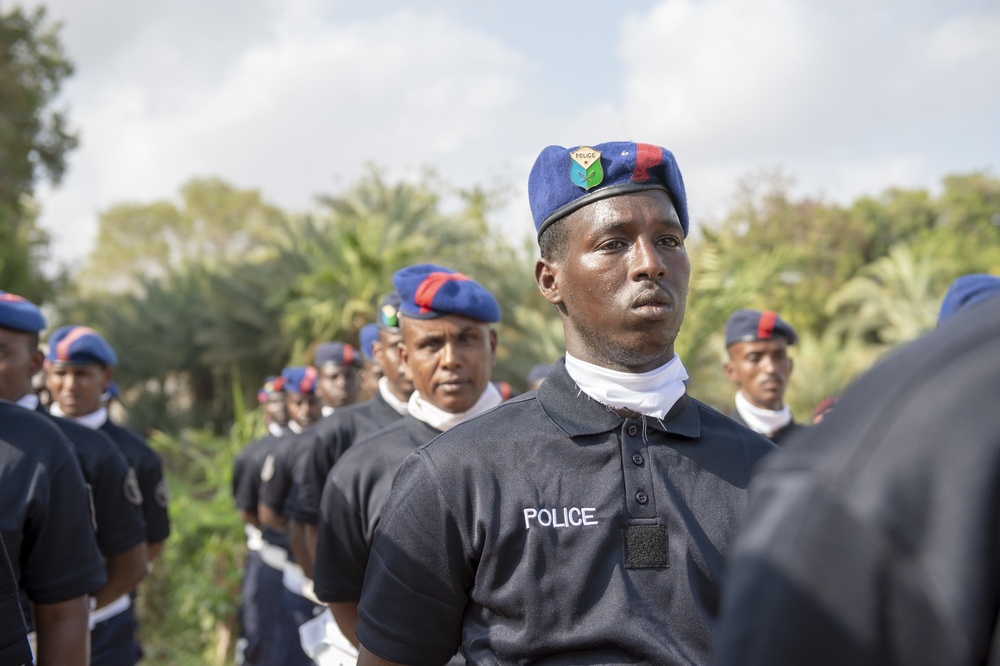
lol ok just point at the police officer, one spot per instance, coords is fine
(114, 491)
(587, 521)
(874, 538)
(759, 366)
(334, 435)
(537, 375)
(371, 371)
(448, 353)
(45, 518)
(78, 368)
(261, 590)
(304, 410)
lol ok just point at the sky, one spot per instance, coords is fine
(299, 98)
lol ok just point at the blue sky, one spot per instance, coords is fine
(296, 97)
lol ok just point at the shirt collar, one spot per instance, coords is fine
(93, 420)
(578, 414)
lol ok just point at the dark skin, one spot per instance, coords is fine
(449, 360)
(620, 284)
(338, 385)
(761, 369)
(63, 634)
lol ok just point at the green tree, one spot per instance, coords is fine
(34, 142)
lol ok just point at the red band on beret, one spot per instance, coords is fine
(647, 156)
(62, 349)
(308, 380)
(348, 354)
(12, 298)
(765, 327)
(428, 289)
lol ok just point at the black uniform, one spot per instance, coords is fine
(353, 498)
(246, 471)
(782, 436)
(875, 537)
(277, 479)
(330, 439)
(14, 649)
(149, 471)
(551, 528)
(45, 517)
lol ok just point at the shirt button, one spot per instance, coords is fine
(632, 430)
(641, 497)
(637, 458)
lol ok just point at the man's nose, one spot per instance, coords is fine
(648, 262)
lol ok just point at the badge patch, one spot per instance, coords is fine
(162, 493)
(131, 488)
(93, 507)
(267, 471)
(585, 170)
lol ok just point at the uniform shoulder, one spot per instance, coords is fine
(499, 424)
(720, 424)
(32, 432)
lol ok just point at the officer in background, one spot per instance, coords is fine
(873, 539)
(537, 375)
(14, 648)
(78, 368)
(115, 495)
(304, 410)
(45, 518)
(448, 353)
(759, 366)
(371, 371)
(339, 366)
(261, 590)
(587, 521)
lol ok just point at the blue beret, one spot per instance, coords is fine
(751, 325)
(80, 345)
(564, 180)
(427, 291)
(272, 387)
(300, 379)
(19, 314)
(338, 353)
(965, 291)
(388, 312)
(367, 337)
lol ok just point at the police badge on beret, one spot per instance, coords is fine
(131, 487)
(162, 493)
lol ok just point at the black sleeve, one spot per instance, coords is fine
(343, 548)
(117, 503)
(14, 648)
(276, 477)
(156, 498)
(246, 478)
(310, 476)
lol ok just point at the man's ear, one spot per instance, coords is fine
(108, 375)
(404, 366)
(547, 278)
(731, 374)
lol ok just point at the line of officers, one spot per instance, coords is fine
(83, 500)
(312, 491)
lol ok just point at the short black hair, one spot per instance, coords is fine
(552, 242)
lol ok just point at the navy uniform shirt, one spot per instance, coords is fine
(45, 514)
(149, 470)
(14, 649)
(874, 539)
(330, 439)
(353, 498)
(246, 471)
(551, 528)
(113, 487)
(277, 479)
(782, 436)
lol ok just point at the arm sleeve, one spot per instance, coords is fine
(155, 498)
(310, 476)
(343, 548)
(419, 574)
(117, 504)
(276, 481)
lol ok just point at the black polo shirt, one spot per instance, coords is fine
(149, 470)
(782, 436)
(875, 537)
(353, 498)
(552, 529)
(113, 486)
(330, 439)
(246, 471)
(277, 490)
(14, 649)
(45, 514)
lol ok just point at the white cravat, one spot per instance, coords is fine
(400, 406)
(758, 419)
(651, 393)
(326, 410)
(437, 418)
(276, 430)
(93, 420)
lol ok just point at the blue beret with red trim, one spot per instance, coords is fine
(79, 345)
(966, 291)
(300, 379)
(753, 325)
(272, 388)
(564, 180)
(338, 353)
(19, 314)
(366, 338)
(427, 291)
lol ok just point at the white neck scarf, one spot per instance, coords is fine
(93, 420)
(326, 410)
(28, 401)
(276, 430)
(437, 418)
(765, 421)
(294, 427)
(401, 407)
(651, 393)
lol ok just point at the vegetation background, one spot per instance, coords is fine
(206, 294)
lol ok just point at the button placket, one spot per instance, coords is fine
(637, 476)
